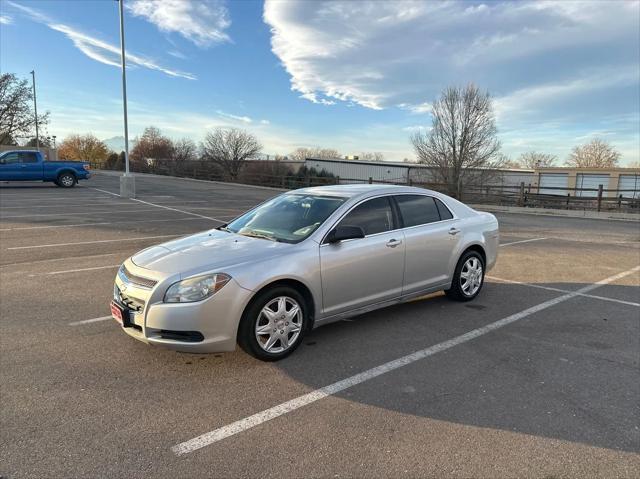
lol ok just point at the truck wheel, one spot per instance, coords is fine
(66, 180)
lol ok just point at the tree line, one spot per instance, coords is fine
(461, 146)
(463, 149)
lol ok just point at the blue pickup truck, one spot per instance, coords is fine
(30, 165)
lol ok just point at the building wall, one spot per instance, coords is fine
(361, 170)
(576, 178)
(400, 172)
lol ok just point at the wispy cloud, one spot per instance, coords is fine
(6, 20)
(202, 22)
(229, 116)
(96, 49)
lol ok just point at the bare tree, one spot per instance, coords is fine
(17, 118)
(184, 150)
(83, 147)
(536, 159)
(595, 154)
(301, 154)
(462, 142)
(371, 156)
(230, 148)
(505, 161)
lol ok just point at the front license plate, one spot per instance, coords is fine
(116, 313)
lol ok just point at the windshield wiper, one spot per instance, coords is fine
(224, 228)
(255, 234)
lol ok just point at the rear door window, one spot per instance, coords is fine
(445, 213)
(417, 210)
(28, 157)
(373, 216)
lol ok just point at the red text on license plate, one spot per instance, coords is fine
(116, 313)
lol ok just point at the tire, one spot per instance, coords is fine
(66, 180)
(463, 286)
(266, 343)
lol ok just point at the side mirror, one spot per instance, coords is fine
(341, 233)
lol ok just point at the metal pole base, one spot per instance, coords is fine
(128, 186)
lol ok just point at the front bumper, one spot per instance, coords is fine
(203, 327)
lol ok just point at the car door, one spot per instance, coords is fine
(30, 167)
(364, 271)
(10, 167)
(431, 236)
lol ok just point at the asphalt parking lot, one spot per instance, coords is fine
(538, 377)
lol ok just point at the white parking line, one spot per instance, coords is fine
(178, 210)
(54, 260)
(104, 191)
(76, 214)
(306, 399)
(91, 242)
(167, 207)
(523, 241)
(96, 224)
(87, 321)
(64, 205)
(20, 199)
(53, 273)
(550, 288)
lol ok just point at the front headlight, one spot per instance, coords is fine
(196, 289)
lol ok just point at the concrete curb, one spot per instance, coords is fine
(602, 215)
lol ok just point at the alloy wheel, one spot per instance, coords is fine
(279, 324)
(67, 180)
(471, 276)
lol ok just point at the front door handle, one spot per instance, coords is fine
(392, 243)
(454, 231)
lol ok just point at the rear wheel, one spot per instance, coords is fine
(468, 277)
(66, 180)
(273, 324)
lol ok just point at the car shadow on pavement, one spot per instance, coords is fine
(568, 372)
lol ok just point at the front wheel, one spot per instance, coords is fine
(273, 324)
(468, 277)
(66, 180)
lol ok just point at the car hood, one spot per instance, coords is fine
(204, 251)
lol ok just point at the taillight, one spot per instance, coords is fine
(87, 167)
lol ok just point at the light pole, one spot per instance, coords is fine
(54, 141)
(127, 181)
(35, 108)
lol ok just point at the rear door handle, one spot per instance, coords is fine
(392, 243)
(454, 231)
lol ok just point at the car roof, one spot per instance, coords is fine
(354, 190)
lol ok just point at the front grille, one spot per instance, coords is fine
(127, 277)
(130, 302)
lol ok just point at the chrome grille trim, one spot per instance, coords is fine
(135, 304)
(127, 277)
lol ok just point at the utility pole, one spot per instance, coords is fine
(127, 181)
(35, 108)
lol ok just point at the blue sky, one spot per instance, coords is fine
(355, 76)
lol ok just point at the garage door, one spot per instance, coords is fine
(584, 180)
(629, 182)
(554, 180)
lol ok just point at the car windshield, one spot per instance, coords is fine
(288, 218)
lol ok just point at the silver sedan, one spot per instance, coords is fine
(300, 260)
